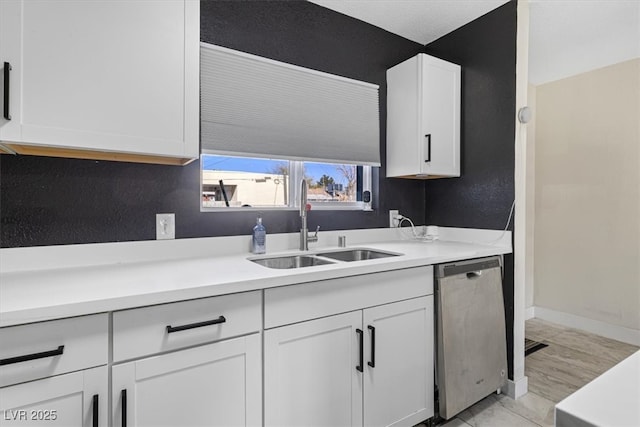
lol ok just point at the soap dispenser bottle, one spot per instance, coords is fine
(259, 241)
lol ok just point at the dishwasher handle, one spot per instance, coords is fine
(467, 266)
(474, 274)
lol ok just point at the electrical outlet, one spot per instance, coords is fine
(393, 222)
(165, 226)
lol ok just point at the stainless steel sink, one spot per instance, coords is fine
(310, 260)
(356, 254)
(291, 261)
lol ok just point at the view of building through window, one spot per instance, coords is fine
(252, 182)
(244, 182)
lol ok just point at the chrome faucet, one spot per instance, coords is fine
(304, 232)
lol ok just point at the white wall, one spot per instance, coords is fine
(587, 195)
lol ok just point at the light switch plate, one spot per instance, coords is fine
(165, 226)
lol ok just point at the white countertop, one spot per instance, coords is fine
(612, 399)
(39, 284)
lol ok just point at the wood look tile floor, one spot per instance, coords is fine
(572, 359)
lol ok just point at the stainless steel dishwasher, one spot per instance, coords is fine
(471, 360)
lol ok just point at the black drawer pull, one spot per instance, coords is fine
(95, 410)
(372, 362)
(7, 70)
(361, 339)
(123, 398)
(217, 321)
(428, 159)
(33, 356)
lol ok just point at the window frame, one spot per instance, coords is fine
(296, 168)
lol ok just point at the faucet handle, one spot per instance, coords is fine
(313, 238)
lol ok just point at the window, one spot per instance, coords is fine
(242, 182)
(262, 112)
(245, 182)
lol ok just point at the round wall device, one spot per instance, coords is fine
(524, 115)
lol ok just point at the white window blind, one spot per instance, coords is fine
(253, 106)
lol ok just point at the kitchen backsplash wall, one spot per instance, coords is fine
(483, 195)
(51, 201)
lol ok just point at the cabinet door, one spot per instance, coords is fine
(310, 375)
(423, 118)
(214, 385)
(103, 75)
(398, 379)
(78, 399)
(440, 117)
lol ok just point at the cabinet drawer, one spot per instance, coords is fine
(150, 330)
(297, 303)
(40, 350)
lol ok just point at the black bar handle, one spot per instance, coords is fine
(123, 398)
(217, 321)
(361, 335)
(372, 362)
(27, 357)
(7, 70)
(428, 159)
(95, 410)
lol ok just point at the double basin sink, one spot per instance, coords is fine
(321, 258)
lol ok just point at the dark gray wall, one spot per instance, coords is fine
(49, 201)
(483, 195)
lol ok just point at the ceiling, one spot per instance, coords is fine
(569, 37)
(566, 37)
(422, 21)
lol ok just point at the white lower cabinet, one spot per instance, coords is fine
(349, 351)
(77, 399)
(398, 377)
(371, 367)
(310, 375)
(217, 384)
(55, 373)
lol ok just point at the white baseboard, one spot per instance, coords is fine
(529, 313)
(616, 332)
(517, 388)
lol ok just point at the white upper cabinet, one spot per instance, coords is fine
(103, 79)
(423, 118)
